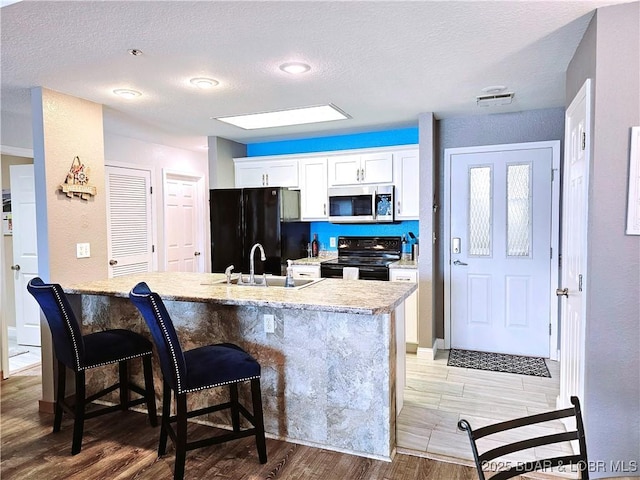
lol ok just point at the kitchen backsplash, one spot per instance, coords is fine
(326, 230)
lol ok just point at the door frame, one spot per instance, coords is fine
(202, 215)
(555, 231)
(4, 332)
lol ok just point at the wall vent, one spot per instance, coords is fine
(496, 99)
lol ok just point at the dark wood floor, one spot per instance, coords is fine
(123, 446)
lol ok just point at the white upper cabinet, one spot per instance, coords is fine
(265, 173)
(406, 176)
(366, 168)
(313, 189)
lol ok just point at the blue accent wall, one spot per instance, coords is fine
(326, 230)
(384, 138)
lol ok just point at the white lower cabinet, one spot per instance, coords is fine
(410, 304)
(306, 271)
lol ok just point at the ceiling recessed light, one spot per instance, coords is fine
(295, 68)
(135, 52)
(283, 118)
(127, 93)
(204, 83)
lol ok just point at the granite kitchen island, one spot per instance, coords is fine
(332, 372)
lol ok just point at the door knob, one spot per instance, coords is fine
(15, 267)
(562, 291)
(196, 254)
(458, 262)
(113, 262)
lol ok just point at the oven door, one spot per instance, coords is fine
(364, 272)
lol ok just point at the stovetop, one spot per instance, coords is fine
(367, 251)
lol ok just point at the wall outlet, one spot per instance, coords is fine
(269, 323)
(83, 250)
(332, 242)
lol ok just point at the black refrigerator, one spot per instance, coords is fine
(240, 218)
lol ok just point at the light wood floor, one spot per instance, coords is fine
(27, 356)
(438, 396)
(123, 446)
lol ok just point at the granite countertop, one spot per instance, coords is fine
(315, 260)
(331, 295)
(405, 263)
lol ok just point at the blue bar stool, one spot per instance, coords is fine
(195, 370)
(80, 353)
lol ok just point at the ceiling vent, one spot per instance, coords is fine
(496, 99)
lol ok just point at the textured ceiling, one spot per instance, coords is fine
(382, 62)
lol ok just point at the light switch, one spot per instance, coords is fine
(332, 242)
(83, 250)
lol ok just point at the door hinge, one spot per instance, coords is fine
(559, 260)
(580, 282)
(584, 140)
(551, 252)
(549, 329)
(553, 174)
(153, 248)
(150, 190)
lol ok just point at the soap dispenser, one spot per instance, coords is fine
(289, 280)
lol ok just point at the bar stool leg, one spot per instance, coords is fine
(150, 394)
(78, 424)
(166, 413)
(181, 436)
(60, 391)
(258, 419)
(235, 411)
(124, 385)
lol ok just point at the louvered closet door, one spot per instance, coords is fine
(129, 221)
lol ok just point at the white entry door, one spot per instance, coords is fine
(500, 253)
(25, 253)
(574, 251)
(183, 223)
(129, 221)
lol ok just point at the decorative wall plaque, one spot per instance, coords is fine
(77, 181)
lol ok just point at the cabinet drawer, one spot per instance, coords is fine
(306, 271)
(403, 275)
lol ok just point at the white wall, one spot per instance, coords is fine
(610, 54)
(121, 151)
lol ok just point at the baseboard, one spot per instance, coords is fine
(430, 353)
(412, 347)
(46, 407)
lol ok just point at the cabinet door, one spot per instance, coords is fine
(407, 182)
(376, 168)
(282, 173)
(250, 174)
(313, 189)
(410, 304)
(344, 170)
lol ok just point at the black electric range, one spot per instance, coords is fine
(371, 255)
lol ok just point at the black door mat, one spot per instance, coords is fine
(498, 362)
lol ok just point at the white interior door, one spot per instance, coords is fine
(500, 253)
(25, 252)
(183, 223)
(129, 221)
(574, 249)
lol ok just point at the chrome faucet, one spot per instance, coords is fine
(227, 272)
(252, 279)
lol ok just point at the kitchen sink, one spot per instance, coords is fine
(272, 281)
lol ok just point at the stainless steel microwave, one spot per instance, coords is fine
(366, 204)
